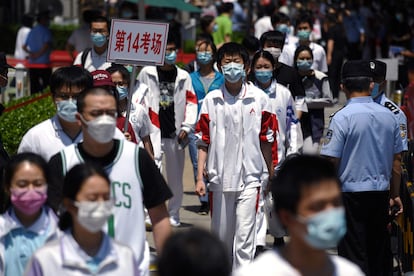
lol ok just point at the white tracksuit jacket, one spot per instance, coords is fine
(259, 124)
(185, 104)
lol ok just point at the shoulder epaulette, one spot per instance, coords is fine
(333, 114)
(392, 107)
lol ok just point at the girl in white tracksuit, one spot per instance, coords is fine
(289, 137)
(84, 249)
(27, 222)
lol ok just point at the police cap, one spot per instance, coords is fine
(356, 68)
(378, 68)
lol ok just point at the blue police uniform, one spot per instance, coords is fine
(365, 136)
(399, 115)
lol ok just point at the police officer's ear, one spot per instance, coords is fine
(371, 86)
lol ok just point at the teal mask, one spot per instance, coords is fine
(326, 228)
(304, 65)
(98, 39)
(283, 28)
(304, 35)
(263, 76)
(171, 57)
(204, 57)
(122, 92)
(375, 91)
(233, 72)
(66, 110)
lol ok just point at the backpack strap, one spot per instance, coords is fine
(84, 56)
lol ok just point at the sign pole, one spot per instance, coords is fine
(130, 93)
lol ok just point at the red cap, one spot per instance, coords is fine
(102, 78)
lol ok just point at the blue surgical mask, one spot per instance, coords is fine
(204, 57)
(304, 35)
(215, 28)
(304, 65)
(233, 72)
(122, 92)
(263, 76)
(375, 91)
(283, 28)
(98, 39)
(171, 57)
(66, 110)
(325, 229)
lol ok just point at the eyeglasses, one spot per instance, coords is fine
(120, 83)
(66, 96)
(101, 31)
(100, 112)
(170, 50)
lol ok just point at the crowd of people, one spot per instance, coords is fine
(77, 197)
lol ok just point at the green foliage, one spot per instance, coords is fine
(14, 124)
(60, 34)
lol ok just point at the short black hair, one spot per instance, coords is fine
(100, 18)
(356, 84)
(194, 252)
(233, 48)
(80, 102)
(27, 20)
(121, 69)
(89, 14)
(251, 43)
(70, 76)
(226, 7)
(304, 18)
(279, 18)
(296, 173)
(272, 37)
(72, 184)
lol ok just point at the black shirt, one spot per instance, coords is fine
(166, 113)
(289, 77)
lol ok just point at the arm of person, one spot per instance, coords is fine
(148, 146)
(329, 51)
(201, 163)
(161, 228)
(54, 189)
(46, 46)
(266, 149)
(395, 183)
(155, 193)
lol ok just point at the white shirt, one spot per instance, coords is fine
(48, 138)
(22, 34)
(262, 25)
(93, 61)
(271, 263)
(319, 56)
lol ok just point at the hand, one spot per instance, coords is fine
(182, 135)
(396, 201)
(200, 188)
(127, 136)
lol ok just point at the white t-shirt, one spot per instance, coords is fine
(93, 61)
(271, 263)
(48, 138)
(262, 25)
(22, 34)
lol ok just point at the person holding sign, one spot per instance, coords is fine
(172, 106)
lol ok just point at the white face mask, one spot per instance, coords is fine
(274, 51)
(92, 215)
(102, 128)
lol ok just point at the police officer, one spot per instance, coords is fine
(379, 71)
(364, 141)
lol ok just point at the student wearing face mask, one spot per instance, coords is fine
(95, 58)
(304, 25)
(135, 179)
(138, 118)
(318, 96)
(236, 131)
(27, 222)
(204, 80)
(84, 249)
(52, 135)
(172, 105)
(289, 137)
(309, 205)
